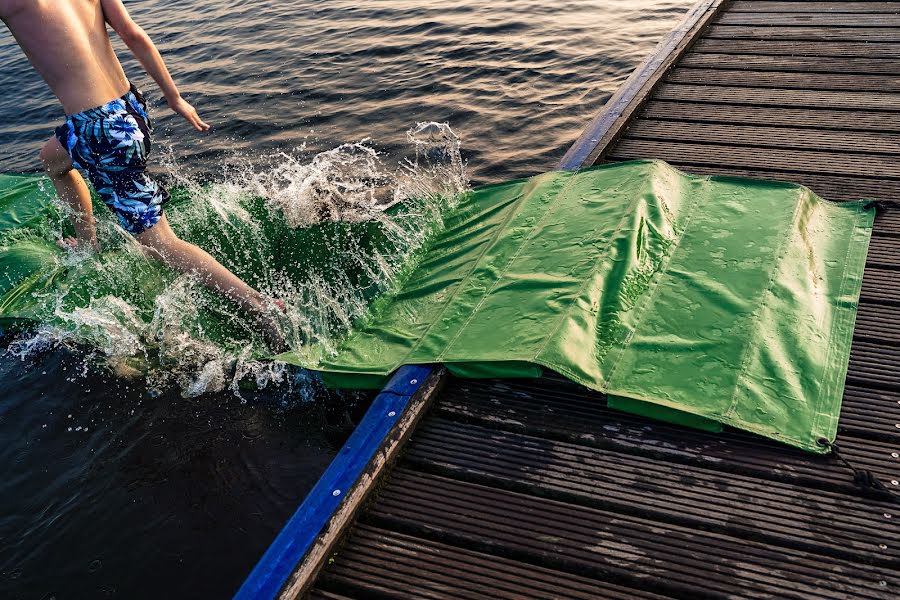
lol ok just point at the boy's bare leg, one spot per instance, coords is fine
(71, 188)
(188, 258)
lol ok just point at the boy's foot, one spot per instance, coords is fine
(76, 245)
(270, 318)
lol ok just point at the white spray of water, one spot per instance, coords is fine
(169, 344)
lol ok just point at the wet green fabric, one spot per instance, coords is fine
(700, 301)
(707, 301)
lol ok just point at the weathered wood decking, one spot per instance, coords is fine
(513, 489)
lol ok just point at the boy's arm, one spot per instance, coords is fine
(143, 48)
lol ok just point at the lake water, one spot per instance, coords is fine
(114, 488)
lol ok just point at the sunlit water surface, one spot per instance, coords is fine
(171, 482)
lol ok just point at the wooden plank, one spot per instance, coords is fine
(884, 252)
(871, 413)
(874, 365)
(675, 559)
(766, 6)
(417, 566)
(318, 594)
(812, 34)
(826, 163)
(768, 137)
(785, 81)
(623, 105)
(780, 117)
(876, 322)
(799, 19)
(832, 187)
(882, 286)
(791, 64)
(865, 50)
(813, 99)
(782, 514)
(555, 408)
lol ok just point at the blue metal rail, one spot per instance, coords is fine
(297, 537)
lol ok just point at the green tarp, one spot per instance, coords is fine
(700, 300)
(703, 301)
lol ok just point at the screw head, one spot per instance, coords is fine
(895, 454)
(415, 381)
(895, 482)
(882, 546)
(336, 493)
(882, 583)
(393, 413)
(887, 515)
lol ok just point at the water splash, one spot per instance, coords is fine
(327, 234)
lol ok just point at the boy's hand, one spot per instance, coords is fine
(183, 108)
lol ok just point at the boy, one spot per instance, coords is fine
(107, 134)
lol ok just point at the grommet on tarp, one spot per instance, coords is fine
(865, 480)
(882, 205)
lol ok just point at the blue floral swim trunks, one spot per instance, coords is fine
(111, 144)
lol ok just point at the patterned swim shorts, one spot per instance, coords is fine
(111, 144)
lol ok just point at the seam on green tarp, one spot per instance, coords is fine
(598, 264)
(562, 193)
(651, 293)
(838, 369)
(834, 331)
(456, 290)
(754, 319)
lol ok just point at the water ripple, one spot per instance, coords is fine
(518, 76)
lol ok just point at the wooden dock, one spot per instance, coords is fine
(534, 489)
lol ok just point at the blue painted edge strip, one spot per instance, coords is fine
(584, 146)
(281, 559)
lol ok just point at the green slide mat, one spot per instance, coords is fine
(696, 300)
(699, 300)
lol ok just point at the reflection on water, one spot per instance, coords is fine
(516, 80)
(120, 488)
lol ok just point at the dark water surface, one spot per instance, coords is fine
(107, 491)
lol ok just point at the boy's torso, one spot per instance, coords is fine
(67, 43)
